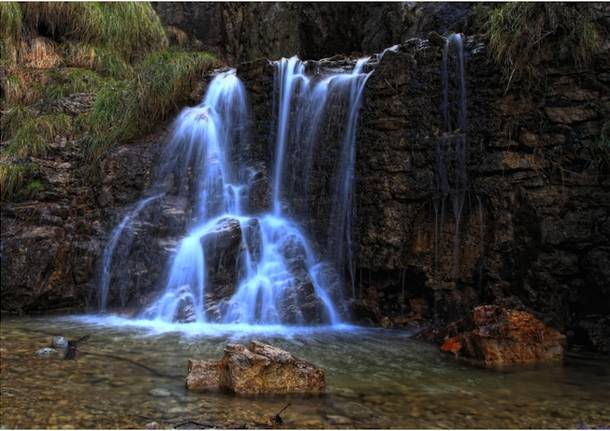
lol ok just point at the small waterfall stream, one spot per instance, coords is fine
(452, 143)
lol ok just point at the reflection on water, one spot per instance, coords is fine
(375, 378)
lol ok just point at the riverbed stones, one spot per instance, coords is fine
(502, 337)
(255, 369)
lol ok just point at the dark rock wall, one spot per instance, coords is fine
(247, 31)
(534, 229)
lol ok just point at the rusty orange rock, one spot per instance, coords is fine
(502, 337)
(451, 345)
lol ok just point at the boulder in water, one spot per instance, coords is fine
(255, 369)
(203, 375)
(502, 337)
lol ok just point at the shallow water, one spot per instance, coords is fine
(128, 376)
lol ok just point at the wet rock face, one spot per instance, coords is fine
(503, 337)
(256, 369)
(51, 245)
(531, 234)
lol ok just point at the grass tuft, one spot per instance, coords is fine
(18, 180)
(126, 109)
(130, 28)
(105, 61)
(32, 138)
(524, 35)
(10, 31)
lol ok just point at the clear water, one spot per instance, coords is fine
(375, 378)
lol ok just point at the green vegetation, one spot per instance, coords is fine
(106, 62)
(10, 31)
(14, 179)
(524, 35)
(129, 28)
(32, 138)
(116, 51)
(124, 109)
(72, 80)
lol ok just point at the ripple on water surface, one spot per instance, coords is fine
(133, 373)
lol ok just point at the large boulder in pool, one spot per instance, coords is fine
(256, 369)
(504, 337)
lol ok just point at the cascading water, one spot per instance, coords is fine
(277, 277)
(302, 102)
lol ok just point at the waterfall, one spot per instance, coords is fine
(276, 269)
(454, 142)
(232, 266)
(341, 214)
(302, 102)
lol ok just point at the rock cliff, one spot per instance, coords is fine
(533, 232)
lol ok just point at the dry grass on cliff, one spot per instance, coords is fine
(526, 35)
(115, 51)
(129, 28)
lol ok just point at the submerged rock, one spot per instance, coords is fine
(255, 369)
(501, 337)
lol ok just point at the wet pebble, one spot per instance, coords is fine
(158, 392)
(178, 410)
(46, 352)
(338, 420)
(59, 342)
(152, 426)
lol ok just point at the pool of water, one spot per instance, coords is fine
(131, 373)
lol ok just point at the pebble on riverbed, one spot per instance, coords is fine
(47, 352)
(158, 392)
(59, 342)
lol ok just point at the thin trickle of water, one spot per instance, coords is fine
(453, 142)
(111, 246)
(341, 219)
(290, 73)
